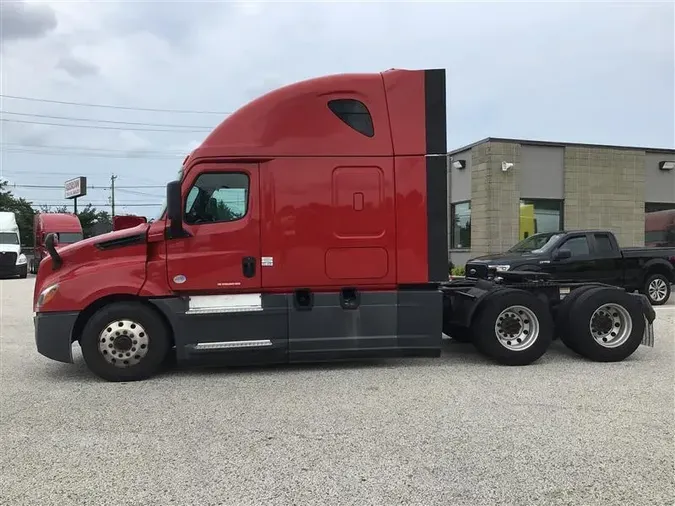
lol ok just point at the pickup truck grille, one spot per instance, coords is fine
(476, 271)
(7, 259)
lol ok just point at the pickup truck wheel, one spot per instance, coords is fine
(657, 289)
(605, 325)
(513, 327)
(124, 341)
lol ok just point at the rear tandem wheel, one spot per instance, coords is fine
(605, 324)
(513, 327)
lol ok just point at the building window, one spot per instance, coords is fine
(460, 215)
(540, 216)
(653, 207)
(353, 113)
(659, 225)
(217, 197)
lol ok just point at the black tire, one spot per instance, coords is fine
(23, 271)
(656, 294)
(154, 338)
(582, 340)
(458, 333)
(562, 312)
(485, 336)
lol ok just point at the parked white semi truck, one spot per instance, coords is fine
(12, 261)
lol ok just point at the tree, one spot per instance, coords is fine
(93, 221)
(23, 211)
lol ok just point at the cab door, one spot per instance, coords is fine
(220, 252)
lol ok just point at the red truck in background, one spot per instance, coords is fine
(122, 221)
(660, 229)
(66, 226)
(311, 225)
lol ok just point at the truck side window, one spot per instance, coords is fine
(604, 244)
(353, 113)
(217, 197)
(577, 245)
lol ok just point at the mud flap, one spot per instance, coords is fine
(649, 315)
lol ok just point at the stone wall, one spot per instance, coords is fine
(604, 189)
(495, 197)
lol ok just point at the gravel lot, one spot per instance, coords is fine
(452, 431)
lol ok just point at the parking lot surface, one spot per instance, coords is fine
(455, 431)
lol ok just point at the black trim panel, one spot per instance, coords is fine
(328, 331)
(437, 220)
(436, 168)
(189, 329)
(121, 242)
(377, 325)
(435, 112)
(420, 321)
(53, 335)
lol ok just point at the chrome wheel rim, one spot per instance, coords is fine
(517, 328)
(611, 325)
(123, 343)
(657, 289)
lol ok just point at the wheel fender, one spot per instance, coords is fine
(647, 309)
(482, 296)
(658, 266)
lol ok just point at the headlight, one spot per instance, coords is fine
(46, 295)
(21, 260)
(500, 268)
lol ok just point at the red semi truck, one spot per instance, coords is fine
(311, 225)
(66, 226)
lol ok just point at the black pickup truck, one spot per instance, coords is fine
(586, 256)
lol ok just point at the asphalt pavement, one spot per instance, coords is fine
(452, 431)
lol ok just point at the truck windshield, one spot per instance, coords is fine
(69, 237)
(536, 243)
(8, 238)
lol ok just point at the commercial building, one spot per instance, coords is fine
(502, 190)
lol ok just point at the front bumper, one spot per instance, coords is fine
(12, 270)
(53, 335)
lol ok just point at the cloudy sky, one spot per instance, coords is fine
(587, 72)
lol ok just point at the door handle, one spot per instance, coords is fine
(248, 266)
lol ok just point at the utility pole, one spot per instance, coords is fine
(112, 194)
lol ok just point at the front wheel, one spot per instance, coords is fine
(125, 341)
(513, 327)
(657, 289)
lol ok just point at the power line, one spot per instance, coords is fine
(100, 127)
(87, 148)
(73, 118)
(56, 187)
(94, 204)
(134, 192)
(106, 106)
(130, 155)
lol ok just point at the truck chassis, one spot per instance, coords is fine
(511, 317)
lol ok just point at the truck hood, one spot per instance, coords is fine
(97, 248)
(10, 248)
(505, 258)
